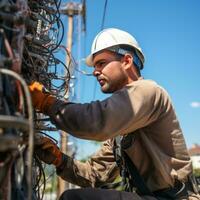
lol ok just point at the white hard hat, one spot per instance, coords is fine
(111, 37)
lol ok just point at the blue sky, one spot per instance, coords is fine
(168, 32)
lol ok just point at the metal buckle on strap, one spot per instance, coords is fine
(178, 191)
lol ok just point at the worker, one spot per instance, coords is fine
(142, 138)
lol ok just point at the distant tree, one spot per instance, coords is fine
(196, 172)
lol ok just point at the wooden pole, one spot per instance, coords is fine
(70, 10)
(63, 185)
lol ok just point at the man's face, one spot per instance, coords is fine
(109, 71)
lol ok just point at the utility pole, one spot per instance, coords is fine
(70, 9)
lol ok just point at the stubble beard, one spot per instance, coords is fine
(108, 88)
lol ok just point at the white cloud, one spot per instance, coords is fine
(195, 104)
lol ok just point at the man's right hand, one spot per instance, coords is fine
(48, 151)
(41, 100)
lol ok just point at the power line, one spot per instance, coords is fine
(102, 26)
(104, 14)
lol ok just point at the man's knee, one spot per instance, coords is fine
(70, 195)
(98, 194)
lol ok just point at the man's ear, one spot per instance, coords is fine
(127, 61)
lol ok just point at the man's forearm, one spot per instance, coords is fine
(69, 171)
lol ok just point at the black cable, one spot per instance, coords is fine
(42, 39)
(40, 180)
(60, 28)
(104, 14)
(102, 26)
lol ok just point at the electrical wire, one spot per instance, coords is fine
(102, 26)
(40, 180)
(104, 14)
(75, 65)
(44, 34)
(45, 53)
(30, 119)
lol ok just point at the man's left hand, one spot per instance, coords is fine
(47, 151)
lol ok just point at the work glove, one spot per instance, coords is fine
(47, 151)
(41, 99)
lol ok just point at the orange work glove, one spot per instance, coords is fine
(48, 151)
(41, 100)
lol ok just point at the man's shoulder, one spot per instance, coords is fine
(146, 88)
(145, 85)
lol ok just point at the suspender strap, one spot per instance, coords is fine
(129, 170)
(138, 182)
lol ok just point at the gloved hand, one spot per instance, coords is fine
(48, 151)
(41, 100)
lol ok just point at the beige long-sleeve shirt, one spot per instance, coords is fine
(142, 108)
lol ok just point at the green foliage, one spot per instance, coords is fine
(196, 172)
(51, 179)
